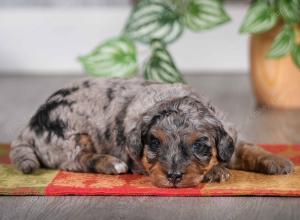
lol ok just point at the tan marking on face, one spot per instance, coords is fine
(160, 134)
(155, 172)
(191, 138)
(158, 177)
(195, 171)
(146, 164)
(192, 176)
(213, 161)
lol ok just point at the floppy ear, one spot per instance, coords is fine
(225, 146)
(134, 143)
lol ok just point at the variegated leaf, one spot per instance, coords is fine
(116, 57)
(283, 43)
(260, 17)
(160, 66)
(290, 10)
(204, 14)
(153, 20)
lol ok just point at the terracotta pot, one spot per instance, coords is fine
(276, 82)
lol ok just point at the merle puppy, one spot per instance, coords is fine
(114, 126)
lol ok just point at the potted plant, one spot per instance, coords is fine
(274, 26)
(156, 24)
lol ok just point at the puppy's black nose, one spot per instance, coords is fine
(174, 177)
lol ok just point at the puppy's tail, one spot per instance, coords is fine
(22, 153)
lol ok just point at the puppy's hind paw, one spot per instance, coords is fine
(217, 174)
(275, 165)
(27, 166)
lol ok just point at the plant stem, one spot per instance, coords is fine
(297, 34)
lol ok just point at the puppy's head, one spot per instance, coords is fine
(178, 142)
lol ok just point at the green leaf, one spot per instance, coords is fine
(260, 17)
(204, 14)
(283, 43)
(296, 54)
(153, 20)
(114, 58)
(289, 10)
(160, 66)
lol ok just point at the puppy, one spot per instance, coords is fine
(115, 125)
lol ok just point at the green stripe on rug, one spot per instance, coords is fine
(13, 182)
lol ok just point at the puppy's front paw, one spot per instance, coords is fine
(217, 174)
(273, 164)
(120, 167)
(110, 165)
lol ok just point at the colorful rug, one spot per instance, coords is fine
(53, 182)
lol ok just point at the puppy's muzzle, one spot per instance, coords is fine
(174, 177)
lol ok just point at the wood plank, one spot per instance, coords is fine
(92, 207)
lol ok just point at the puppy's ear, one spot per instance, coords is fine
(134, 143)
(225, 146)
(135, 137)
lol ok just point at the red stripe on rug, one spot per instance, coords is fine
(99, 184)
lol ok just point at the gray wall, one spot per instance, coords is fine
(58, 3)
(63, 3)
(47, 36)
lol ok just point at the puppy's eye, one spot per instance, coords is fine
(201, 146)
(154, 143)
(152, 149)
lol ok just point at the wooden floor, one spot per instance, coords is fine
(20, 97)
